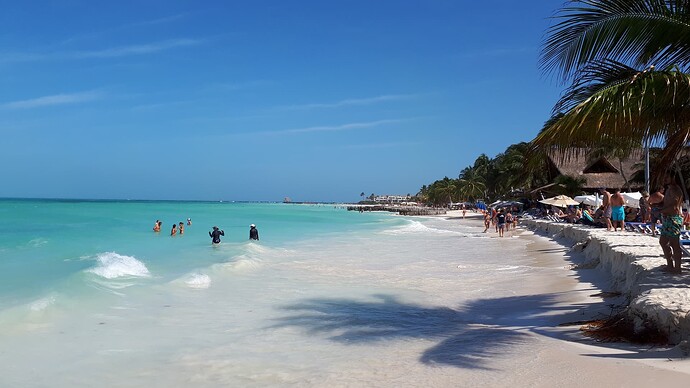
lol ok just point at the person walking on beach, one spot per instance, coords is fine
(672, 222)
(487, 221)
(173, 231)
(656, 201)
(617, 210)
(215, 235)
(606, 204)
(501, 222)
(253, 232)
(181, 228)
(157, 226)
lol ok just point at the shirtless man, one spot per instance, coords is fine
(656, 200)
(617, 210)
(606, 204)
(672, 222)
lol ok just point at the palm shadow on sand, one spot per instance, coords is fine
(468, 337)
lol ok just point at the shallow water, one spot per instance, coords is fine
(91, 296)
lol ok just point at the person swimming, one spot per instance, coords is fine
(215, 235)
(157, 226)
(181, 228)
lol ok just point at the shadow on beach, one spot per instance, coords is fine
(468, 337)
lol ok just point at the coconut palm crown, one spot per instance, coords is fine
(608, 50)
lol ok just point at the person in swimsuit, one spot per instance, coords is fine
(181, 228)
(617, 210)
(644, 207)
(606, 204)
(173, 231)
(656, 201)
(500, 222)
(215, 235)
(157, 226)
(189, 221)
(487, 221)
(672, 223)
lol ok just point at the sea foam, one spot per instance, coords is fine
(416, 227)
(112, 265)
(198, 280)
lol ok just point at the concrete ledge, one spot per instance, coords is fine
(633, 261)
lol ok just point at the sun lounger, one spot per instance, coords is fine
(685, 246)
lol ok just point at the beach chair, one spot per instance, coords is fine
(685, 247)
(640, 227)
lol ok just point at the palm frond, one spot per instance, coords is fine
(639, 32)
(652, 106)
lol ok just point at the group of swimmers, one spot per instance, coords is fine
(214, 234)
(159, 224)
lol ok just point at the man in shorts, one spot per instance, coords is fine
(501, 222)
(617, 210)
(672, 223)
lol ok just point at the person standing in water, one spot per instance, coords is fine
(157, 226)
(181, 228)
(253, 232)
(173, 231)
(215, 235)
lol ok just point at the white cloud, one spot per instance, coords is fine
(113, 52)
(381, 145)
(57, 99)
(343, 127)
(351, 102)
(134, 49)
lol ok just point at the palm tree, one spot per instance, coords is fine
(447, 189)
(470, 184)
(600, 46)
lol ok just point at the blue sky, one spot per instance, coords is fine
(258, 100)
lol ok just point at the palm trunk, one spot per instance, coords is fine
(620, 166)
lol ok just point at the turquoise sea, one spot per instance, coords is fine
(65, 245)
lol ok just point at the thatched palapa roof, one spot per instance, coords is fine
(601, 172)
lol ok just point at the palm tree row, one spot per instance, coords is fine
(506, 175)
(627, 63)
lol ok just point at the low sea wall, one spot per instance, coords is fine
(401, 210)
(634, 262)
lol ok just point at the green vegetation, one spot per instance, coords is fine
(508, 175)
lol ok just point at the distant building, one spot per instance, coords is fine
(391, 198)
(287, 200)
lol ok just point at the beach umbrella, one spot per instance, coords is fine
(560, 201)
(632, 199)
